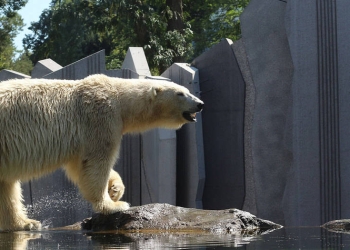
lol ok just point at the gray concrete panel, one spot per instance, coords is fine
(158, 166)
(136, 61)
(306, 185)
(319, 41)
(122, 73)
(44, 67)
(343, 39)
(129, 167)
(190, 171)
(7, 74)
(267, 50)
(89, 65)
(222, 90)
(250, 189)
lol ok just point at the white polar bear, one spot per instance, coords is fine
(46, 124)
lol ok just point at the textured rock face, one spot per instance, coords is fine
(165, 217)
(339, 226)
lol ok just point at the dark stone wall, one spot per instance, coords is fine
(267, 50)
(222, 90)
(295, 53)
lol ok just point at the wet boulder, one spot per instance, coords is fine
(339, 226)
(165, 217)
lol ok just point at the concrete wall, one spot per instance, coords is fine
(318, 38)
(44, 67)
(6, 74)
(223, 91)
(294, 54)
(275, 122)
(190, 170)
(153, 177)
(267, 50)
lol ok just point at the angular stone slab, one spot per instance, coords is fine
(266, 45)
(93, 64)
(222, 90)
(45, 67)
(157, 155)
(190, 170)
(158, 166)
(135, 60)
(165, 217)
(250, 189)
(7, 74)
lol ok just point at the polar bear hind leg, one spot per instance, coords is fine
(13, 215)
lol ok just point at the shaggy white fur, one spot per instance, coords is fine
(46, 124)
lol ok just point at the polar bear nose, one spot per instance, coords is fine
(200, 106)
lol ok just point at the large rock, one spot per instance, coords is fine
(339, 226)
(165, 217)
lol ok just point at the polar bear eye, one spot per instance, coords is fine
(180, 94)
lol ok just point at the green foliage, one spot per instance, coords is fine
(168, 30)
(212, 21)
(9, 8)
(22, 64)
(10, 24)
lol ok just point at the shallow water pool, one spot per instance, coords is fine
(285, 238)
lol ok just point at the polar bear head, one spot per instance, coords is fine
(159, 103)
(174, 105)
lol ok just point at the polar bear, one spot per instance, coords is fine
(46, 124)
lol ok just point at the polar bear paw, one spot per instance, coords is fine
(31, 225)
(23, 225)
(116, 190)
(111, 207)
(122, 205)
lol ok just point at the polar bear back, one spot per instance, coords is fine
(36, 119)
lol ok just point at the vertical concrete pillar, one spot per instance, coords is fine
(158, 166)
(190, 171)
(249, 107)
(157, 169)
(318, 188)
(136, 61)
(222, 90)
(269, 60)
(296, 52)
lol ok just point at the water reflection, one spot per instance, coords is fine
(114, 240)
(17, 240)
(168, 240)
(286, 238)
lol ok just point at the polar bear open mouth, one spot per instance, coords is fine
(189, 116)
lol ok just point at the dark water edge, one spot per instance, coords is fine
(285, 238)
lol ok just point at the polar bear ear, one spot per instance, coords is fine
(154, 91)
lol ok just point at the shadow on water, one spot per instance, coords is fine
(285, 238)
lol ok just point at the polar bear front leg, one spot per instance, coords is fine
(94, 183)
(13, 215)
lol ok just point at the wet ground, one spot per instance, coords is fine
(285, 238)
